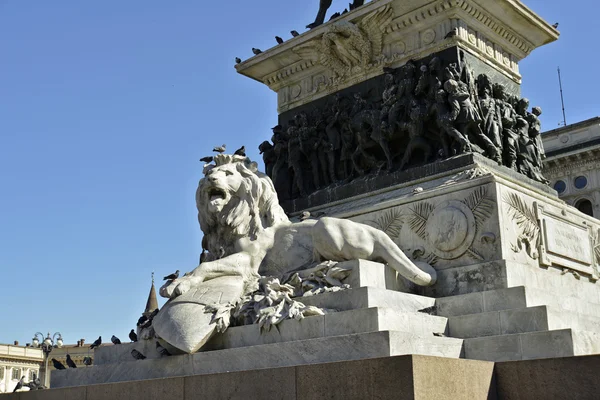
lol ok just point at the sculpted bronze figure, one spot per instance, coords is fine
(417, 114)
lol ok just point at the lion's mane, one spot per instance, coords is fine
(252, 209)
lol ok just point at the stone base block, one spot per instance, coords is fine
(533, 345)
(312, 351)
(399, 378)
(555, 378)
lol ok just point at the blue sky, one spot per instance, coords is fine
(105, 109)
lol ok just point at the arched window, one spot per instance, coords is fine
(585, 206)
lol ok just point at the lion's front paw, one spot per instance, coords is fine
(179, 286)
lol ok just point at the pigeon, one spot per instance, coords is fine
(133, 336)
(295, 33)
(220, 149)
(203, 256)
(256, 51)
(238, 60)
(87, 361)
(207, 160)
(57, 364)
(34, 384)
(70, 362)
(141, 321)
(161, 350)
(172, 276)
(115, 340)
(429, 310)
(451, 34)
(555, 26)
(334, 16)
(307, 214)
(19, 384)
(137, 355)
(241, 151)
(97, 343)
(345, 11)
(147, 321)
(278, 39)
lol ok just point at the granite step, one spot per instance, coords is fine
(530, 319)
(514, 298)
(366, 297)
(533, 345)
(338, 323)
(300, 352)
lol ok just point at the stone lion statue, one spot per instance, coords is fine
(248, 235)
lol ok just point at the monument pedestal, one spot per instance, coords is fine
(517, 268)
(517, 273)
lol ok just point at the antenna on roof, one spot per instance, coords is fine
(562, 99)
(153, 277)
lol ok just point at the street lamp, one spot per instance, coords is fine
(47, 345)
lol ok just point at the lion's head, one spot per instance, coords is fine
(235, 200)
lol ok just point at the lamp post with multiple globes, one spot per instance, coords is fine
(47, 345)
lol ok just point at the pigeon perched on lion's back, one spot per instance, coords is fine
(220, 149)
(241, 151)
(172, 277)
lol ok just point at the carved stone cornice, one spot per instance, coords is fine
(387, 33)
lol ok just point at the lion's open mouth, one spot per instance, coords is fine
(216, 194)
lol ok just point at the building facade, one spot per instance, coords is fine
(17, 361)
(573, 164)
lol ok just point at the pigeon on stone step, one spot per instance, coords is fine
(132, 336)
(256, 51)
(70, 362)
(97, 343)
(115, 340)
(137, 355)
(294, 33)
(279, 40)
(162, 351)
(57, 364)
(19, 384)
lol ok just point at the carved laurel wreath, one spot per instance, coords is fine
(392, 221)
(527, 224)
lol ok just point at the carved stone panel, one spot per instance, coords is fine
(566, 240)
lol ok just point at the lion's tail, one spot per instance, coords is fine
(385, 248)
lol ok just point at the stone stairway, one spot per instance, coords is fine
(522, 323)
(372, 321)
(375, 319)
